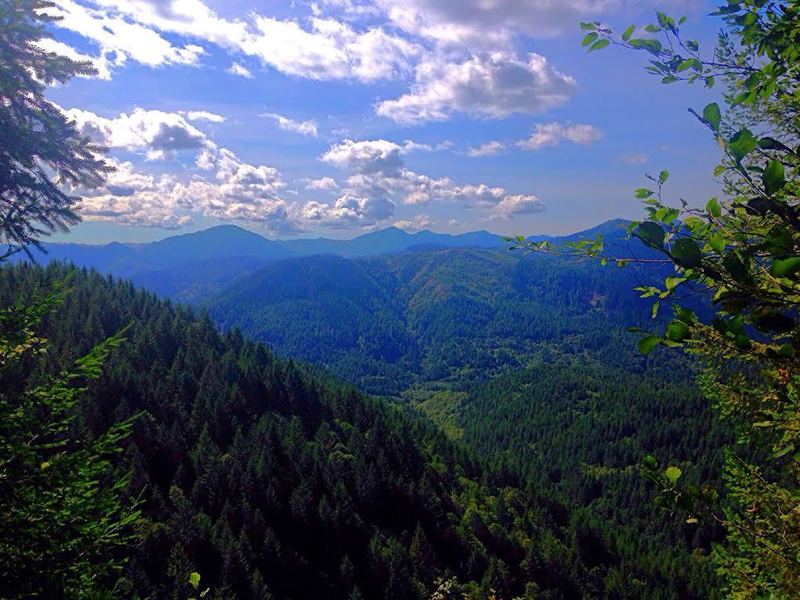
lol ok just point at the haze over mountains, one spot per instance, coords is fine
(232, 241)
(193, 267)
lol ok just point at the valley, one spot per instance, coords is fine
(521, 362)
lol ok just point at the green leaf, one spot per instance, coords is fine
(588, 26)
(687, 253)
(599, 45)
(590, 37)
(717, 242)
(651, 234)
(768, 143)
(687, 64)
(652, 28)
(644, 193)
(677, 331)
(672, 282)
(712, 116)
(713, 208)
(673, 474)
(652, 46)
(626, 35)
(663, 176)
(779, 240)
(650, 462)
(786, 266)
(194, 580)
(741, 144)
(773, 178)
(735, 267)
(646, 344)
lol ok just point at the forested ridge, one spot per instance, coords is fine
(451, 316)
(269, 478)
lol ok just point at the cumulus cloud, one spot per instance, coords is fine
(369, 156)
(487, 149)
(494, 85)
(240, 70)
(552, 134)
(308, 128)
(120, 39)
(377, 172)
(323, 183)
(235, 190)
(482, 22)
(160, 134)
(204, 115)
(320, 48)
(416, 224)
(220, 184)
(350, 211)
(517, 204)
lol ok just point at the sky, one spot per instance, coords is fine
(338, 117)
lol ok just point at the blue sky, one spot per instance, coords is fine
(338, 117)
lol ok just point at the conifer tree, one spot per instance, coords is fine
(42, 154)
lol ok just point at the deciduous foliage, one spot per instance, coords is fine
(742, 251)
(63, 526)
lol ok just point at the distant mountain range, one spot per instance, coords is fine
(191, 267)
(231, 241)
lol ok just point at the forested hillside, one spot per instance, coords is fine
(448, 316)
(577, 433)
(270, 479)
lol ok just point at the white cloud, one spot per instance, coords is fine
(470, 20)
(328, 50)
(378, 172)
(350, 211)
(240, 70)
(495, 85)
(204, 115)
(552, 134)
(325, 49)
(120, 40)
(487, 149)
(308, 128)
(220, 185)
(160, 134)
(492, 22)
(234, 191)
(370, 156)
(517, 205)
(323, 183)
(416, 224)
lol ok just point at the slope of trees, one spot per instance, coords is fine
(454, 316)
(577, 434)
(270, 479)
